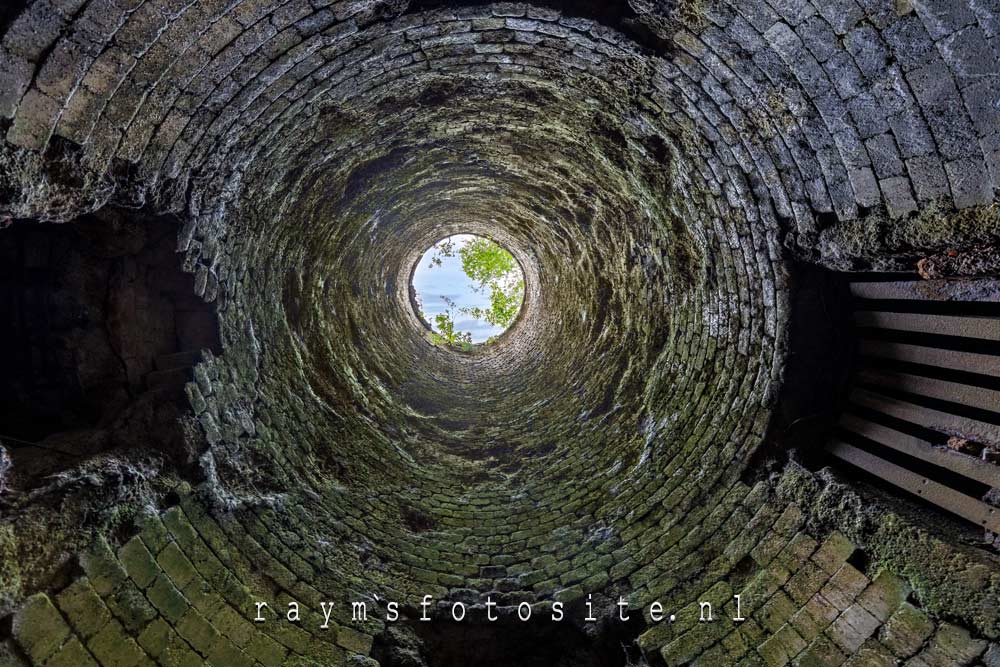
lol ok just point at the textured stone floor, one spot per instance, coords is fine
(655, 167)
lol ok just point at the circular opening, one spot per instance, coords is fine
(468, 290)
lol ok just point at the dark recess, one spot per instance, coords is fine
(821, 355)
(509, 641)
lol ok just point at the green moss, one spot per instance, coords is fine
(84, 609)
(877, 241)
(950, 580)
(39, 629)
(72, 654)
(10, 571)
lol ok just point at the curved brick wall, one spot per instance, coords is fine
(652, 177)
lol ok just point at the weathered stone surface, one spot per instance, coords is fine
(653, 182)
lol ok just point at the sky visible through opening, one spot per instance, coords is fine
(444, 287)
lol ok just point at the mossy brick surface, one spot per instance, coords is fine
(102, 568)
(871, 654)
(354, 641)
(850, 630)
(958, 644)
(776, 611)
(177, 566)
(155, 637)
(72, 654)
(167, 600)
(821, 652)
(226, 653)
(138, 562)
(194, 628)
(131, 607)
(153, 533)
(884, 595)
(906, 630)
(684, 156)
(114, 648)
(833, 552)
(781, 647)
(266, 651)
(39, 629)
(85, 610)
(806, 582)
(844, 586)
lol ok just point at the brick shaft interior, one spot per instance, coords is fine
(660, 169)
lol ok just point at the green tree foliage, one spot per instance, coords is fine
(443, 249)
(447, 332)
(492, 269)
(486, 263)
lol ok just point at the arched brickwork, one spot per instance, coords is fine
(653, 177)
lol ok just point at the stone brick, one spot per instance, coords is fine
(176, 565)
(910, 43)
(85, 610)
(885, 156)
(781, 647)
(818, 37)
(912, 134)
(970, 182)
(131, 607)
(197, 631)
(39, 629)
(806, 582)
(842, 14)
(112, 646)
(943, 17)
(906, 630)
(969, 55)
(865, 45)
(852, 628)
(225, 653)
(776, 612)
(884, 595)
(935, 90)
(167, 599)
(958, 644)
(72, 654)
(35, 119)
(15, 77)
(821, 652)
(866, 191)
(266, 651)
(871, 654)
(794, 11)
(988, 14)
(833, 553)
(992, 656)
(928, 178)
(898, 196)
(155, 637)
(34, 30)
(138, 562)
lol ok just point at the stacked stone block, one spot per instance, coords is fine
(314, 149)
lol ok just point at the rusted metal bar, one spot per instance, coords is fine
(968, 327)
(984, 399)
(970, 467)
(962, 361)
(943, 422)
(929, 290)
(949, 499)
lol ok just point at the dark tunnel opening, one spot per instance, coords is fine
(754, 368)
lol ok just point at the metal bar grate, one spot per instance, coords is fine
(924, 409)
